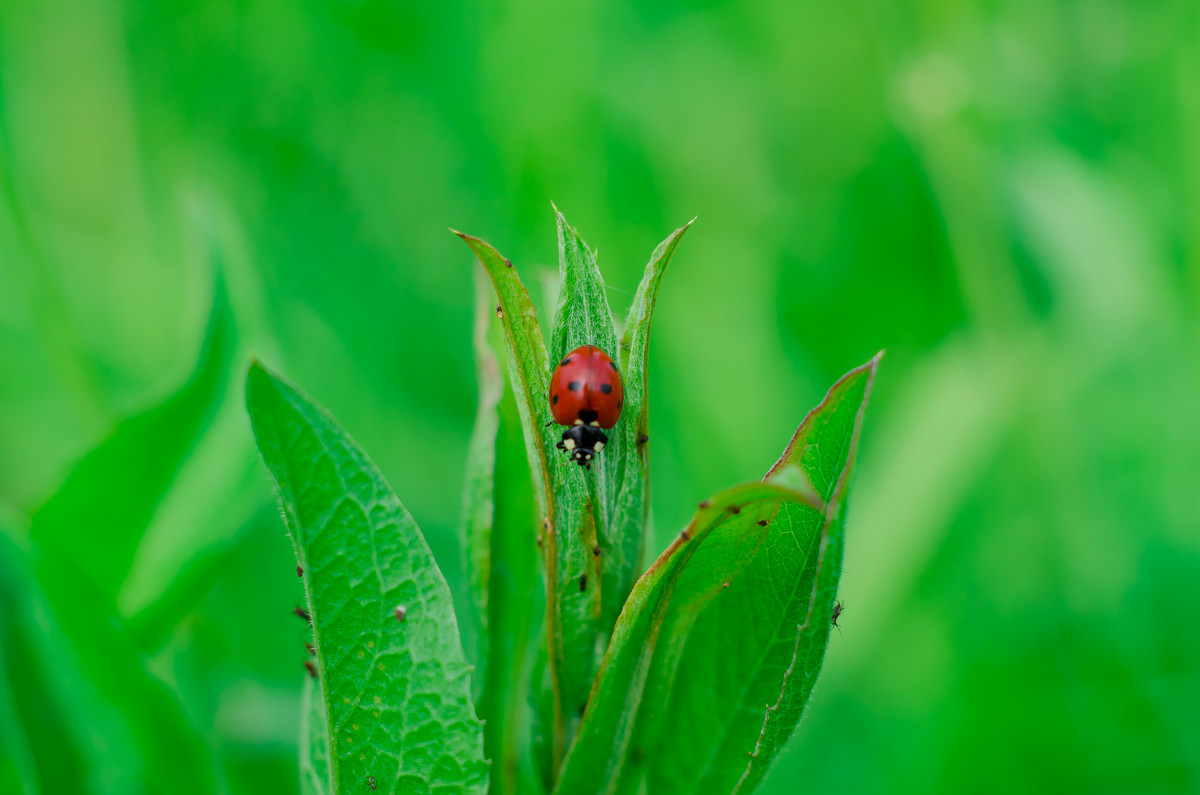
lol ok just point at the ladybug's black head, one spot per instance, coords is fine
(582, 442)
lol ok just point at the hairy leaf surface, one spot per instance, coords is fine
(391, 667)
(714, 547)
(752, 658)
(314, 742)
(569, 537)
(629, 500)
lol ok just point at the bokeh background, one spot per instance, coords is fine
(1004, 196)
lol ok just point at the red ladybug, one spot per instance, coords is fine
(586, 394)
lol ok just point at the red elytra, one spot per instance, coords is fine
(586, 388)
(586, 395)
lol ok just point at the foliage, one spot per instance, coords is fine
(392, 705)
(1001, 196)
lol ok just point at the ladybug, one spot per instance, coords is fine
(586, 394)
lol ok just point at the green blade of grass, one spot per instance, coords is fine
(116, 488)
(715, 546)
(391, 667)
(499, 531)
(314, 742)
(762, 641)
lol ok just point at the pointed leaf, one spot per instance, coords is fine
(572, 594)
(715, 546)
(479, 487)
(499, 532)
(314, 742)
(390, 661)
(629, 502)
(116, 488)
(78, 678)
(751, 660)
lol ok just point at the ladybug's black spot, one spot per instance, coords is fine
(565, 362)
(554, 399)
(573, 386)
(606, 388)
(613, 365)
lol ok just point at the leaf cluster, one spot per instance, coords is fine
(593, 673)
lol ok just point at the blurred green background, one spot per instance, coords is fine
(1004, 196)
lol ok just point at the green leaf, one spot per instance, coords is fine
(714, 547)
(752, 658)
(596, 520)
(94, 719)
(499, 532)
(392, 673)
(314, 742)
(628, 525)
(581, 498)
(480, 482)
(116, 488)
(572, 594)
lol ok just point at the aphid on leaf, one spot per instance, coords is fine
(401, 612)
(586, 395)
(837, 611)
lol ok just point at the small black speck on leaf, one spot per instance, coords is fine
(762, 522)
(705, 504)
(300, 611)
(735, 509)
(499, 311)
(312, 669)
(401, 612)
(596, 550)
(642, 439)
(299, 571)
(685, 535)
(507, 263)
(583, 582)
